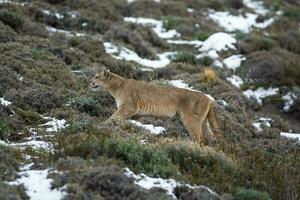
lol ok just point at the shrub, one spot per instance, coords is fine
(236, 4)
(40, 100)
(290, 41)
(185, 192)
(144, 159)
(185, 57)
(215, 4)
(85, 104)
(257, 43)
(202, 35)
(29, 117)
(293, 13)
(6, 33)
(5, 130)
(99, 179)
(276, 67)
(208, 75)
(250, 194)
(9, 192)
(168, 22)
(9, 163)
(206, 166)
(12, 19)
(206, 61)
(56, 1)
(135, 39)
(8, 80)
(264, 68)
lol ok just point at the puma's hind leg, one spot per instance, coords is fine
(194, 126)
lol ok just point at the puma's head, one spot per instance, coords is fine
(101, 79)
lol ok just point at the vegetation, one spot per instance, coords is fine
(47, 74)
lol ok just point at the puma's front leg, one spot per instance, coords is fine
(124, 112)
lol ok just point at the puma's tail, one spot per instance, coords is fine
(211, 116)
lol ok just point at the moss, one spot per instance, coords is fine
(249, 194)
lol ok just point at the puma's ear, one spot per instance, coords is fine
(106, 73)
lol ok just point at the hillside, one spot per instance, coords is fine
(56, 141)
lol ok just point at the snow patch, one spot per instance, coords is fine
(130, 1)
(243, 23)
(38, 186)
(52, 30)
(169, 185)
(181, 84)
(256, 6)
(218, 41)
(156, 130)
(126, 54)
(260, 93)
(156, 25)
(50, 13)
(190, 10)
(195, 43)
(262, 121)
(291, 135)
(4, 102)
(13, 2)
(235, 80)
(288, 101)
(54, 125)
(234, 61)
(34, 144)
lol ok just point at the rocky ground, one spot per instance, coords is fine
(55, 142)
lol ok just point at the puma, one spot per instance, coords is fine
(140, 98)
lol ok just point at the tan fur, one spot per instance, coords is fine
(140, 98)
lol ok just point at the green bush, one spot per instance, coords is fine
(256, 43)
(168, 22)
(39, 100)
(12, 19)
(84, 104)
(205, 166)
(185, 57)
(293, 13)
(5, 130)
(202, 35)
(250, 194)
(38, 53)
(143, 159)
(9, 192)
